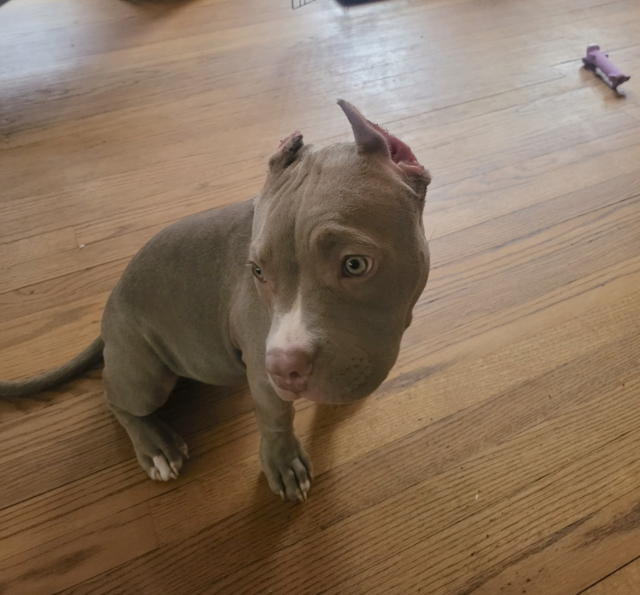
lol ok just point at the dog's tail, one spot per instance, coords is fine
(23, 388)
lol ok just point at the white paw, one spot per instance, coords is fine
(162, 470)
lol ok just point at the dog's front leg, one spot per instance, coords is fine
(284, 461)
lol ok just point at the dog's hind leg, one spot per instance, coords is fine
(136, 383)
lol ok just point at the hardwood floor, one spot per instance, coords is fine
(501, 456)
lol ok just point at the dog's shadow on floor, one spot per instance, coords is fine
(263, 533)
(194, 407)
(326, 420)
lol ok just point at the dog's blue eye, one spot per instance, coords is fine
(356, 266)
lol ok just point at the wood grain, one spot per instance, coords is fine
(501, 455)
(80, 554)
(623, 581)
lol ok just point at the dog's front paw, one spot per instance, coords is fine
(287, 466)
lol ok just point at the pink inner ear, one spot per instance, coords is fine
(400, 152)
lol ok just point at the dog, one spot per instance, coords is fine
(304, 292)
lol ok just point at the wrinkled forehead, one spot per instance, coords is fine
(332, 195)
(356, 192)
(342, 165)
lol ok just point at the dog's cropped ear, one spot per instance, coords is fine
(286, 153)
(368, 139)
(371, 139)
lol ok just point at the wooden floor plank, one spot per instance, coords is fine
(124, 484)
(416, 460)
(99, 449)
(312, 562)
(501, 454)
(22, 357)
(450, 286)
(634, 112)
(351, 438)
(182, 130)
(456, 159)
(78, 503)
(545, 539)
(562, 238)
(79, 555)
(56, 292)
(622, 582)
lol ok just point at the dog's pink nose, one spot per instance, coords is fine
(289, 368)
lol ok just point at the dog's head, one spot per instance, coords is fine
(340, 259)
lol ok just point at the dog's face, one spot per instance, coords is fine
(339, 258)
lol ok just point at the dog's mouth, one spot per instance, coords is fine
(352, 382)
(305, 393)
(314, 395)
(284, 394)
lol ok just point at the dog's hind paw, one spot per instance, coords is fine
(161, 451)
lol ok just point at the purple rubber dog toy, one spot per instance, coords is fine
(598, 60)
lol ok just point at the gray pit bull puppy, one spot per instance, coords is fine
(304, 292)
